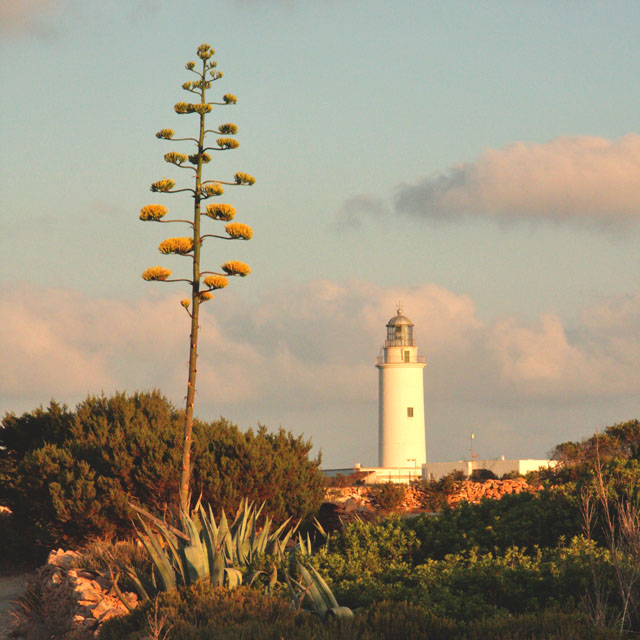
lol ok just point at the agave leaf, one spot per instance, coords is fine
(261, 541)
(296, 595)
(209, 541)
(195, 563)
(273, 579)
(234, 577)
(212, 523)
(217, 571)
(116, 588)
(159, 558)
(254, 576)
(320, 528)
(318, 602)
(323, 587)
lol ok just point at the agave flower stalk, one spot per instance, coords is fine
(191, 246)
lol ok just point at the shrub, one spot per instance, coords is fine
(525, 520)
(72, 474)
(389, 495)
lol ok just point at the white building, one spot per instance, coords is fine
(402, 453)
(401, 435)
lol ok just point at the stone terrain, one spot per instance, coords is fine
(361, 499)
(73, 601)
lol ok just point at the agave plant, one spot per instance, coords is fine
(206, 549)
(317, 592)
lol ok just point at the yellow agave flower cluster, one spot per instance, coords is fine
(181, 246)
(228, 128)
(211, 189)
(244, 178)
(216, 75)
(153, 212)
(188, 107)
(205, 51)
(190, 66)
(205, 295)
(224, 212)
(196, 84)
(227, 143)
(156, 273)
(236, 268)
(238, 231)
(175, 158)
(164, 185)
(205, 158)
(216, 282)
(165, 134)
(229, 98)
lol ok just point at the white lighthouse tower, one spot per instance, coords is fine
(401, 438)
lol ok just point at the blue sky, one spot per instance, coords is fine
(479, 162)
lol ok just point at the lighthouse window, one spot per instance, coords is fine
(407, 356)
(409, 411)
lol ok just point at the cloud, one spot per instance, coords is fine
(583, 179)
(304, 357)
(358, 207)
(23, 16)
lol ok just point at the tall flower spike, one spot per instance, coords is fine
(163, 186)
(181, 246)
(238, 231)
(216, 282)
(153, 212)
(236, 268)
(156, 273)
(220, 211)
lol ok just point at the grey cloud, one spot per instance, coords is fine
(570, 179)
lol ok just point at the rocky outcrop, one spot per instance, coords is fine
(490, 489)
(73, 602)
(360, 499)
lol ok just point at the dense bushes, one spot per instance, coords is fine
(200, 612)
(525, 520)
(68, 475)
(370, 562)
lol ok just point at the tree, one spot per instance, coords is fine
(202, 283)
(72, 474)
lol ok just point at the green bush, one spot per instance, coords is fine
(70, 475)
(525, 520)
(389, 495)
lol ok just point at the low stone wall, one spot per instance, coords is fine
(492, 489)
(361, 498)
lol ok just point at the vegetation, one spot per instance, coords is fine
(201, 282)
(71, 474)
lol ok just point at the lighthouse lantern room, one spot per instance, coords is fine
(401, 437)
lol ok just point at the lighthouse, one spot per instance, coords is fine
(401, 437)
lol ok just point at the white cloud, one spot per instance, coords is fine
(582, 178)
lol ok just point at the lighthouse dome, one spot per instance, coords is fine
(399, 331)
(399, 319)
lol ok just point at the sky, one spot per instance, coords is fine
(476, 163)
